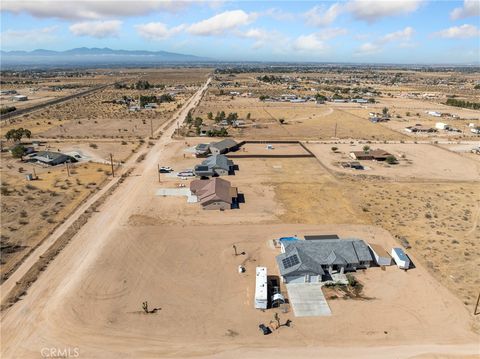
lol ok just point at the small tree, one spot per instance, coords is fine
(366, 148)
(334, 149)
(385, 111)
(281, 120)
(210, 116)
(391, 160)
(19, 151)
(248, 116)
(198, 122)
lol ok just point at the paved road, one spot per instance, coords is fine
(167, 129)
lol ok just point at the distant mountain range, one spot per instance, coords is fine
(85, 56)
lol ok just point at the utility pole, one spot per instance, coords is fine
(151, 128)
(158, 168)
(34, 173)
(111, 164)
(68, 169)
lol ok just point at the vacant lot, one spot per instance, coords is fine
(94, 117)
(30, 210)
(301, 120)
(441, 222)
(415, 161)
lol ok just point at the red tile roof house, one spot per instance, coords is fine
(214, 193)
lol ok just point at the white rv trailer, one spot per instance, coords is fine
(400, 258)
(261, 292)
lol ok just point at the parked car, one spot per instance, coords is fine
(264, 329)
(165, 169)
(188, 173)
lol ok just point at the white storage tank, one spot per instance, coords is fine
(400, 258)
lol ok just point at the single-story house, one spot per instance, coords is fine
(377, 155)
(223, 146)
(313, 261)
(380, 254)
(414, 129)
(51, 158)
(202, 149)
(214, 193)
(215, 165)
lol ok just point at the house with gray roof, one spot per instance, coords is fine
(310, 261)
(223, 146)
(51, 158)
(216, 165)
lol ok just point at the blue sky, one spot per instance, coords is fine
(388, 31)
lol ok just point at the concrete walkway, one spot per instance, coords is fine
(178, 192)
(307, 300)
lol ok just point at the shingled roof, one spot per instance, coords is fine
(214, 189)
(225, 144)
(312, 254)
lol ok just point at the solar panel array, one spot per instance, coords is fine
(290, 261)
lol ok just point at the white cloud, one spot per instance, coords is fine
(372, 10)
(261, 36)
(219, 24)
(15, 38)
(470, 8)
(402, 35)
(278, 14)
(157, 30)
(98, 29)
(319, 16)
(459, 32)
(90, 9)
(368, 48)
(327, 34)
(311, 43)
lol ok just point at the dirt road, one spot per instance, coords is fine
(89, 297)
(167, 129)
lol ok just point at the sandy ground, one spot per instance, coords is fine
(30, 210)
(180, 259)
(96, 285)
(416, 161)
(303, 120)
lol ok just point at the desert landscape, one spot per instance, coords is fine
(110, 250)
